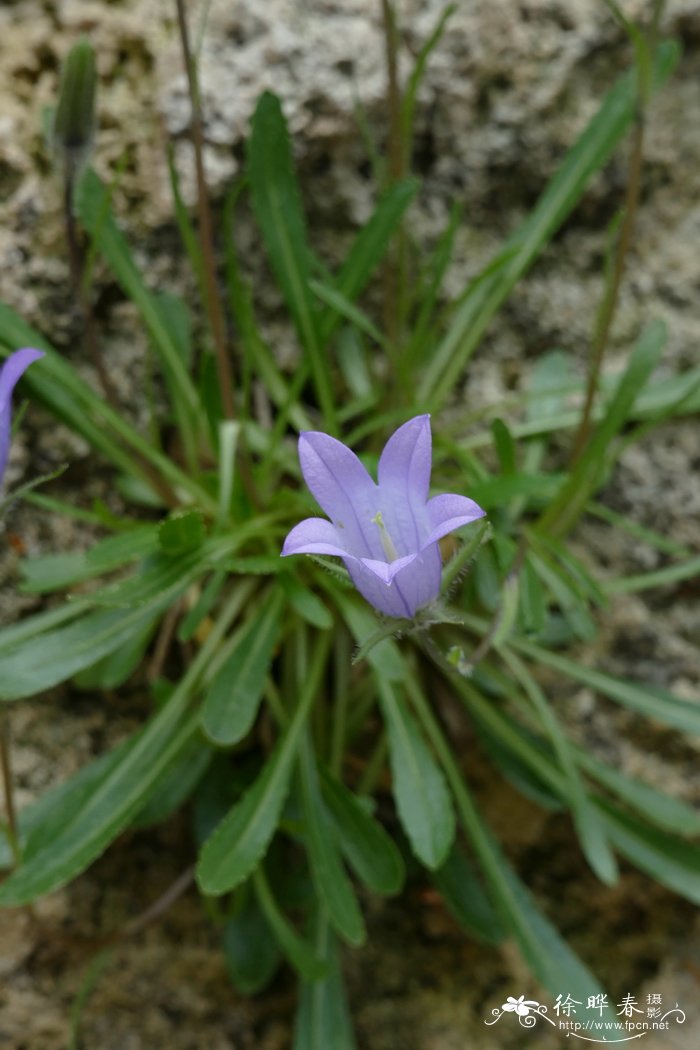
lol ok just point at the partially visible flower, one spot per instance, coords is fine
(10, 373)
(387, 534)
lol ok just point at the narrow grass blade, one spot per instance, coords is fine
(650, 701)
(92, 202)
(277, 206)
(58, 386)
(670, 861)
(588, 155)
(669, 814)
(369, 248)
(588, 825)
(583, 479)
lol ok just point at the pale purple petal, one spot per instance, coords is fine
(404, 481)
(11, 372)
(449, 512)
(386, 599)
(387, 533)
(419, 583)
(344, 490)
(386, 570)
(313, 536)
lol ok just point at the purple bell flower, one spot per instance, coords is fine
(387, 534)
(10, 373)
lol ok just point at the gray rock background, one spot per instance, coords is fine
(506, 92)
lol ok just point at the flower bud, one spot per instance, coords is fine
(74, 122)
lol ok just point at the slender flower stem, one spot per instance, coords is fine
(6, 770)
(608, 306)
(394, 267)
(76, 263)
(213, 299)
(159, 906)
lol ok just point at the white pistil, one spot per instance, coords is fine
(387, 544)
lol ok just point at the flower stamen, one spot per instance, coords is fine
(387, 543)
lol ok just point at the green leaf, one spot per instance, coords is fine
(344, 308)
(56, 384)
(551, 959)
(573, 608)
(505, 446)
(115, 668)
(94, 211)
(332, 883)
(548, 386)
(42, 821)
(369, 248)
(177, 321)
(524, 777)
(368, 849)
(258, 356)
(45, 660)
(483, 298)
(306, 603)
(420, 337)
(672, 862)
(242, 837)
(533, 607)
(277, 205)
(161, 579)
(586, 475)
(422, 799)
(300, 954)
(647, 700)
(175, 784)
(97, 819)
(182, 531)
(250, 949)
(52, 572)
(322, 1019)
(232, 701)
(385, 657)
(666, 812)
(464, 895)
(85, 832)
(352, 360)
(588, 825)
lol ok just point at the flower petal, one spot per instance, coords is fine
(343, 488)
(386, 570)
(11, 372)
(404, 481)
(386, 598)
(406, 460)
(449, 512)
(313, 536)
(419, 583)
